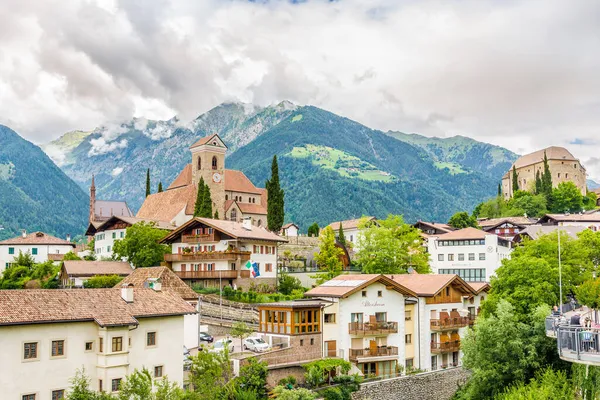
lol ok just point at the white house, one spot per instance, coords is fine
(290, 230)
(472, 254)
(115, 228)
(351, 229)
(383, 324)
(41, 246)
(213, 252)
(169, 282)
(74, 273)
(46, 335)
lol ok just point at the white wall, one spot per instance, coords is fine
(493, 252)
(291, 231)
(105, 241)
(40, 257)
(18, 376)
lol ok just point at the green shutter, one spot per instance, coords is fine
(11, 250)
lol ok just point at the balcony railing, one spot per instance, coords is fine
(445, 347)
(209, 238)
(578, 344)
(209, 256)
(472, 318)
(449, 323)
(372, 328)
(368, 353)
(227, 274)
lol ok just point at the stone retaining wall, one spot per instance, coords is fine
(438, 385)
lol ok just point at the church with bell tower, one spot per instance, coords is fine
(234, 196)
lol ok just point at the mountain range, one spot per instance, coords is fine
(331, 168)
(34, 193)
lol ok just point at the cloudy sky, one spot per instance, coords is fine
(521, 74)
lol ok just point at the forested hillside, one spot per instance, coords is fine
(34, 193)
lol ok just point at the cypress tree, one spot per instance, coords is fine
(538, 183)
(515, 180)
(160, 189)
(148, 182)
(499, 189)
(341, 237)
(199, 199)
(547, 178)
(207, 203)
(275, 206)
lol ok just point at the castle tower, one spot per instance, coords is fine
(208, 162)
(92, 200)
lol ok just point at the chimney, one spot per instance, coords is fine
(23, 233)
(68, 237)
(127, 292)
(247, 223)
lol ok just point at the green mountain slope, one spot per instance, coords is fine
(462, 154)
(34, 193)
(315, 192)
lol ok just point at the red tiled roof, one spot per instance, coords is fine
(93, 268)
(345, 285)
(106, 307)
(237, 181)
(466, 233)
(494, 222)
(184, 178)
(166, 205)
(39, 238)
(429, 284)
(169, 281)
(134, 220)
(350, 223)
(205, 140)
(479, 287)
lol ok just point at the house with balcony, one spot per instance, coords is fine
(438, 318)
(364, 322)
(470, 253)
(46, 335)
(215, 253)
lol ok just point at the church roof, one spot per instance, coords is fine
(246, 208)
(237, 181)
(552, 152)
(108, 208)
(166, 205)
(207, 139)
(184, 178)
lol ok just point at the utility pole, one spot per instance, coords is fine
(560, 303)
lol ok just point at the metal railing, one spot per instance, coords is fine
(578, 343)
(372, 328)
(378, 352)
(449, 323)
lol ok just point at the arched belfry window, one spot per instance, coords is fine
(199, 163)
(214, 162)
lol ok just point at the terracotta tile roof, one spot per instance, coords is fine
(170, 282)
(93, 268)
(231, 228)
(479, 287)
(205, 140)
(553, 153)
(569, 217)
(184, 178)
(134, 220)
(106, 307)
(428, 285)
(466, 233)
(436, 225)
(289, 225)
(494, 222)
(349, 224)
(237, 181)
(535, 231)
(166, 205)
(246, 208)
(345, 285)
(39, 238)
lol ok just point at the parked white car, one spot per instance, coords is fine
(220, 345)
(256, 344)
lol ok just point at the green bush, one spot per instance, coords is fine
(102, 281)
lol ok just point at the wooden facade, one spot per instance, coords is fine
(289, 320)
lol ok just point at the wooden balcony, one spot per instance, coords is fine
(227, 274)
(209, 256)
(448, 324)
(204, 238)
(389, 351)
(372, 328)
(445, 347)
(472, 318)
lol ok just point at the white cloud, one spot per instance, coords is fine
(117, 171)
(101, 146)
(522, 74)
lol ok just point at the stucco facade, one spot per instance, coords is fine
(40, 252)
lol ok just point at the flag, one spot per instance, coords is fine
(249, 265)
(255, 270)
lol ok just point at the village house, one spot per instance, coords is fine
(432, 228)
(587, 220)
(41, 246)
(74, 273)
(290, 230)
(564, 167)
(470, 253)
(169, 282)
(50, 334)
(506, 228)
(387, 324)
(215, 253)
(234, 196)
(115, 228)
(533, 232)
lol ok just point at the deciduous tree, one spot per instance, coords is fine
(566, 198)
(140, 246)
(462, 220)
(313, 230)
(328, 258)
